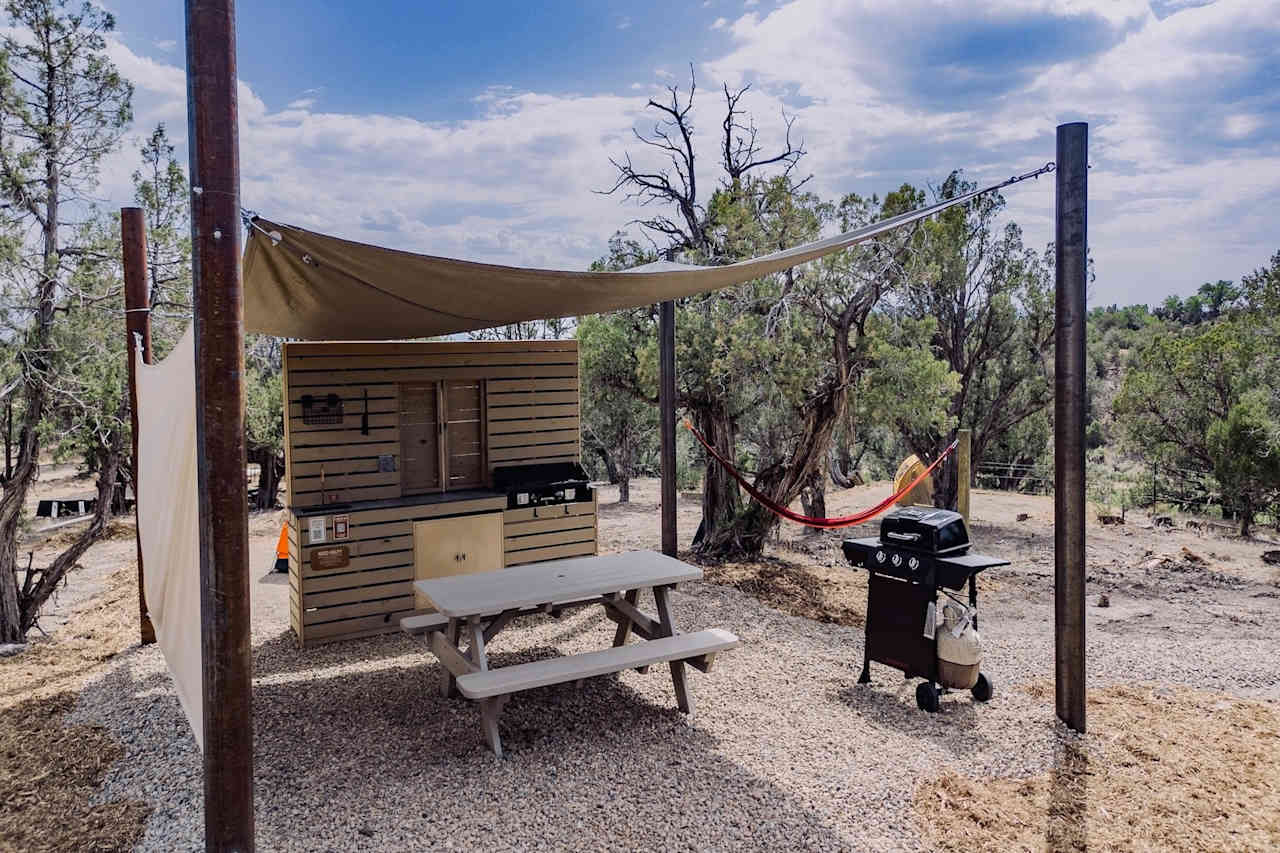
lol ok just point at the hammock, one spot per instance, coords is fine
(809, 521)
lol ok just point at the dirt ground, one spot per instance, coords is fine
(1152, 591)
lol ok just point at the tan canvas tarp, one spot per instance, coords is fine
(301, 284)
(169, 516)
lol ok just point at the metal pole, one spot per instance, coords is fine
(667, 418)
(1071, 249)
(963, 471)
(137, 323)
(219, 327)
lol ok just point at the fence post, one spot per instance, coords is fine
(963, 471)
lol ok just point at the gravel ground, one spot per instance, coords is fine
(357, 751)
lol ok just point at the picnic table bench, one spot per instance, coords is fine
(474, 608)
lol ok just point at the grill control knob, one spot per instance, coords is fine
(913, 563)
(897, 561)
(879, 556)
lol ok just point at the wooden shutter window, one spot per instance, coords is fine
(419, 438)
(464, 433)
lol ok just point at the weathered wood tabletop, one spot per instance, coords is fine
(474, 608)
(484, 593)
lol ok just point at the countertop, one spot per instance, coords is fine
(405, 500)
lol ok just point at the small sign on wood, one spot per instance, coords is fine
(316, 525)
(341, 526)
(324, 559)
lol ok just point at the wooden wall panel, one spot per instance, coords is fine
(549, 533)
(332, 604)
(530, 413)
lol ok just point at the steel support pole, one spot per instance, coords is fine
(220, 447)
(1071, 265)
(667, 418)
(137, 323)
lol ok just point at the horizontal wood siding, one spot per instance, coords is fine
(377, 582)
(531, 411)
(548, 533)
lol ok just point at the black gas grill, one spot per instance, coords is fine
(919, 551)
(543, 484)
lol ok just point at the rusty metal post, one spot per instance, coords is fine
(137, 324)
(1071, 266)
(220, 447)
(667, 420)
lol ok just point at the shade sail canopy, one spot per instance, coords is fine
(302, 284)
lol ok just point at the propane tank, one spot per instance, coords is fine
(959, 647)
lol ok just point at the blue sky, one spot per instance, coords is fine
(479, 130)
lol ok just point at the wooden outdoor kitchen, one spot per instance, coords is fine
(407, 461)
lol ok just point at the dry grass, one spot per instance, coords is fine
(1163, 769)
(49, 770)
(48, 774)
(840, 597)
(99, 630)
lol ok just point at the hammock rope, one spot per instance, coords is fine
(809, 521)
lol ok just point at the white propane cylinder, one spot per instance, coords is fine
(959, 648)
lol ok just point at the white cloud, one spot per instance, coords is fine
(624, 23)
(1184, 139)
(874, 88)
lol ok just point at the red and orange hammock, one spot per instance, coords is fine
(809, 521)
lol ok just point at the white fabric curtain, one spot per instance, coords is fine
(168, 516)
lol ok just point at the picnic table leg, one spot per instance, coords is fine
(449, 684)
(475, 628)
(490, 709)
(684, 699)
(624, 628)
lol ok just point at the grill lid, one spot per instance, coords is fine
(541, 474)
(925, 529)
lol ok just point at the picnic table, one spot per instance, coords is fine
(473, 608)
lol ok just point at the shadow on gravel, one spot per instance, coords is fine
(382, 754)
(888, 703)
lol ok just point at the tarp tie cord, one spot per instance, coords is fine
(809, 521)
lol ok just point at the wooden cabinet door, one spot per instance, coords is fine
(464, 433)
(419, 438)
(456, 546)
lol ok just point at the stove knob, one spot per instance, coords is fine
(879, 556)
(913, 563)
(897, 561)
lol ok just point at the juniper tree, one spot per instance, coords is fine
(63, 107)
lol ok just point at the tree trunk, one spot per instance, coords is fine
(37, 593)
(8, 439)
(1246, 519)
(719, 489)
(625, 452)
(813, 499)
(610, 467)
(782, 482)
(270, 469)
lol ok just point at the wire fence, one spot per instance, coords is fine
(1153, 487)
(1013, 477)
